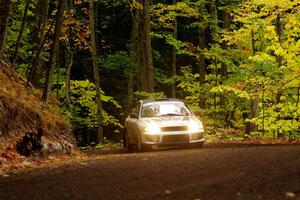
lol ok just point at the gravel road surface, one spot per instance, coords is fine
(256, 172)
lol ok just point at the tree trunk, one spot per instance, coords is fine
(214, 21)
(4, 19)
(144, 49)
(213, 28)
(70, 4)
(68, 60)
(133, 54)
(249, 126)
(69, 64)
(99, 135)
(174, 60)
(201, 59)
(58, 62)
(38, 40)
(224, 72)
(252, 42)
(254, 110)
(279, 31)
(57, 30)
(15, 57)
(226, 27)
(279, 59)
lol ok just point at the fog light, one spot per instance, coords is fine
(197, 136)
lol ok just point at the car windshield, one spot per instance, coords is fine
(157, 109)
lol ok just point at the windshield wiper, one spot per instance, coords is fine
(173, 114)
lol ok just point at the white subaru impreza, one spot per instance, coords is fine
(162, 122)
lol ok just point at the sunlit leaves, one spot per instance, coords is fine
(165, 14)
(84, 113)
(135, 5)
(231, 90)
(275, 82)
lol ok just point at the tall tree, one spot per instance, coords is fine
(4, 19)
(144, 48)
(68, 57)
(254, 101)
(57, 31)
(214, 19)
(133, 51)
(99, 134)
(174, 59)
(214, 33)
(201, 58)
(226, 26)
(38, 40)
(279, 58)
(69, 63)
(23, 23)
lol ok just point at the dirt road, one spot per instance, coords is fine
(262, 172)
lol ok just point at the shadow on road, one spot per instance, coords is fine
(117, 150)
(120, 150)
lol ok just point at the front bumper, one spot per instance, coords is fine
(169, 138)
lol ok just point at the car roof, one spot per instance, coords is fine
(160, 100)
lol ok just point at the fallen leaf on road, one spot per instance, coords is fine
(168, 192)
(290, 195)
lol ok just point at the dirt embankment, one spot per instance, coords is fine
(25, 118)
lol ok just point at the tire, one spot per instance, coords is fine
(124, 137)
(139, 146)
(147, 147)
(199, 145)
(128, 145)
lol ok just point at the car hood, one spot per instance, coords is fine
(169, 120)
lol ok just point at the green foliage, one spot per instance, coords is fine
(252, 72)
(13, 32)
(226, 104)
(265, 76)
(259, 62)
(148, 95)
(83, 114)
(119, 61)
(189, 84)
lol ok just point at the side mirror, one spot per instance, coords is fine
(133, 115)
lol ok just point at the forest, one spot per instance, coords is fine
(235, 63)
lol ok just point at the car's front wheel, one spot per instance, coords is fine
(128, 144)
(124, 137)
(140, 146)
(198, 145)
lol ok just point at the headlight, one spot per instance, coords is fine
(195, 126)
(152, 128)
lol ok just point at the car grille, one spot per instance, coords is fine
(175, 128)
(175, 139)
(152, 138)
